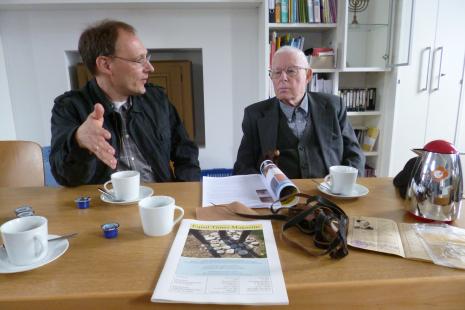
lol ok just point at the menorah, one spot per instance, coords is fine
(357, 6)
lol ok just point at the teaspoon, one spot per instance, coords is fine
(109, 195)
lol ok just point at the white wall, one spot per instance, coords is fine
(35, 41)
(7, 128)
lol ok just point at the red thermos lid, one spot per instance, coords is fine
(440, 146)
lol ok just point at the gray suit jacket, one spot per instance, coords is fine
(333, 132)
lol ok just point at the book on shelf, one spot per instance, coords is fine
(328, 86)
(284, 11)
(366, 137)
(279, 40)
(316, 11)
(358, 99)
(271, 17)
(277, 11)
(370, 172)
(369, 139)
(371, 99)
(360, 132)
(311, 16)
(320, 84)
(272, 46)
(300, 8)
(302, 11)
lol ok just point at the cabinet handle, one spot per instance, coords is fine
(427, 70)
(441, 48)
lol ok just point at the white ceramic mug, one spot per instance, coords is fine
(25, 239)
(125, 185)
(157, 215)
(341, 179)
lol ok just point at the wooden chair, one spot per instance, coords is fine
(21, 164)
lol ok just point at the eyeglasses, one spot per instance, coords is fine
(141, 61)
(290, 72)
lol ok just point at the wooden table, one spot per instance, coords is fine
(99, 273)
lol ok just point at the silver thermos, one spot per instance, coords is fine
(435, 189)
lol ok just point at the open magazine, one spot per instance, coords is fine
(438, 243)
(253, 190)
(223, 262)
(386, 236)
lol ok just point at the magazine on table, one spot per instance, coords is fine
(253, 190)
(223, 262)
(386, 236)
(438, 243)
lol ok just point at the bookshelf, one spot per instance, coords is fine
(364, 58)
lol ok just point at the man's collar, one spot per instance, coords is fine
(288, 110)
(107, 103)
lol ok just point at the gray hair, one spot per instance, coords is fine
(287, 49)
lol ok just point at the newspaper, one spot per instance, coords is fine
(253, 190)
(386, 236)
(223, 262)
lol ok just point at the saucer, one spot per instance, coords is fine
(358, 191)
(55, 250)
(144, 192)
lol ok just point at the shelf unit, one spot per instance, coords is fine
(362, 60)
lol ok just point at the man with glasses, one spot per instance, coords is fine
(309, 131)
(118, 121)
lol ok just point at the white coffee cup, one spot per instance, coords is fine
(341, 179)
(25, 239)
(157, 215)
(125, 185)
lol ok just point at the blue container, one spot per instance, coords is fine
(217, 172)
(82, 202)
(24, 214)
(110, 230)
(24, 210)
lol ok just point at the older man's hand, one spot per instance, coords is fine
(92, 136)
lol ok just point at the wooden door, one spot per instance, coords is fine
(175, 76)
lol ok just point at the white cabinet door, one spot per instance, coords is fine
(412, 92)
(446, 73)
(460, 134)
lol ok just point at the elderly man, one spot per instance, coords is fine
(310, 130)
(117, 121)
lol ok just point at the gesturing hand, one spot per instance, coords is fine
(92, 136)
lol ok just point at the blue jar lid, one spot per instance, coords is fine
(110, 230)
(25, 213)
(82, 202)
(22, 209)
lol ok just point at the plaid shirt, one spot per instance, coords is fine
(130, 158)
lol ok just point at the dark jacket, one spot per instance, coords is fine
(153, 124)
(334, 133)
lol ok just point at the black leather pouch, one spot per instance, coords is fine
(402, 179)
